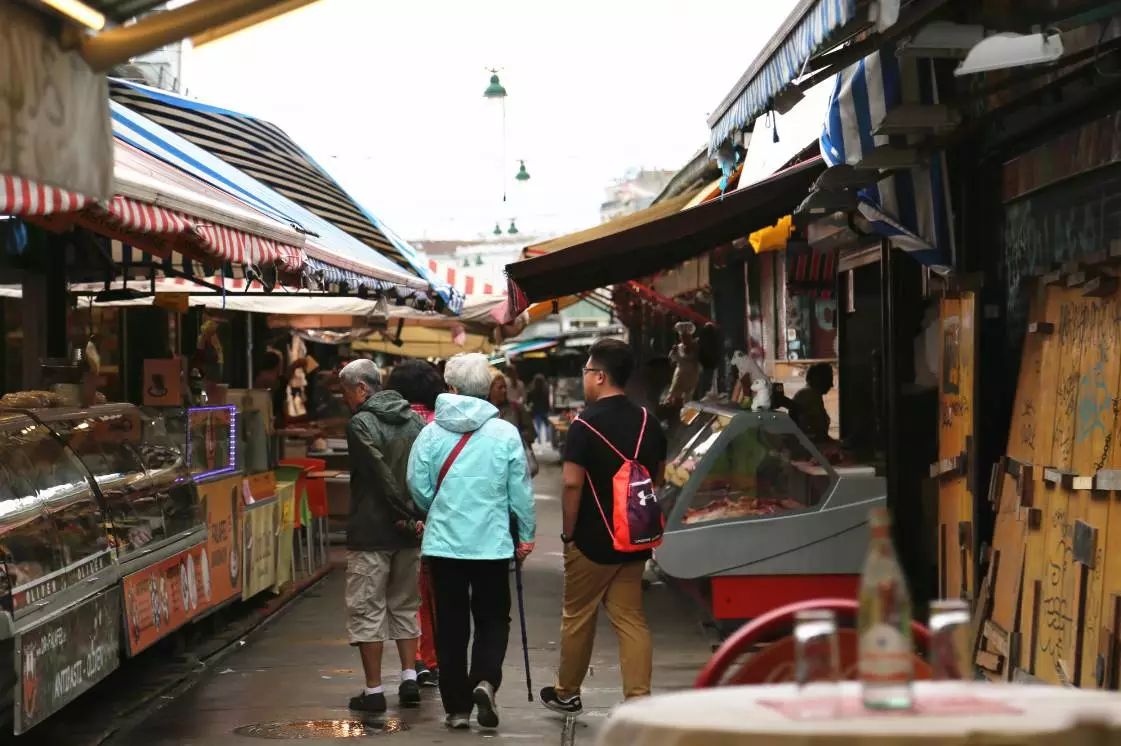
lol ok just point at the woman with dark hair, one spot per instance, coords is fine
(419, 382)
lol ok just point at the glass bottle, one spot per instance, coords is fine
(949, 639)
(886, 654)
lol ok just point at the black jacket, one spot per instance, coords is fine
(379, 437)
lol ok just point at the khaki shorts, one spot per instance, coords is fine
(382, 595)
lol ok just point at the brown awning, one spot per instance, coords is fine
(612, 227)
(613, 253)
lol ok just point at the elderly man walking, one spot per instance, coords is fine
(383, 557)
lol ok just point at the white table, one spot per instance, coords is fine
(754, 715)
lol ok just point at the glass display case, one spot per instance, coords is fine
(747, 493)
(212, 441)
(51, 525)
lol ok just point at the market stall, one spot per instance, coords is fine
(756, 510)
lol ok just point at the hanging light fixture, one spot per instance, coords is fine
(478, 260)
(495, 89)
(513, 230)
(523, 175)
(497, 229)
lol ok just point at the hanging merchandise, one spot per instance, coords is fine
(296, 394)
(209, 356)
(687, 364)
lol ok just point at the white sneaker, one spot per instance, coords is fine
(458, 722)
(484, 701)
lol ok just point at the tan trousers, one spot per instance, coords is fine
(619, 588)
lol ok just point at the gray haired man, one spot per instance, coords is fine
(383, 557)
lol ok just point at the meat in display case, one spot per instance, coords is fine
(752, 505)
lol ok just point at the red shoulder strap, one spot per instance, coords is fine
(451, 459)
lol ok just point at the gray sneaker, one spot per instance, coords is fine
(484, 701)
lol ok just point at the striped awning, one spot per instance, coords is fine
(262, 150)
(911, 206)
(325, 241)
(323, 274)
(808, 27)
(161, 230)
(28, 199)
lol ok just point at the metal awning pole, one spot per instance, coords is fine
(122, 43)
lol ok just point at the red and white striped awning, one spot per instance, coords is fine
(464, 281)
(25, 198)
(133, 218)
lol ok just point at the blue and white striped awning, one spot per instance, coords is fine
(258, 162)
(809, 26)
(911, 207)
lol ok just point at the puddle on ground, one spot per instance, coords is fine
(308, 729)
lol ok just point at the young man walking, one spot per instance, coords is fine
(594, 572)
(383, 557)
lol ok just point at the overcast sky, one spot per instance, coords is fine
(387, 96)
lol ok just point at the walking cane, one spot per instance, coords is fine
(521, 612)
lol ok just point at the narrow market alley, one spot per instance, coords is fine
(299, 667)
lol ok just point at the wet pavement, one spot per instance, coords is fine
(293, 678)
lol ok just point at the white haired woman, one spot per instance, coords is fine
(468, 471)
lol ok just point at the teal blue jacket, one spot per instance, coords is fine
(487, 485)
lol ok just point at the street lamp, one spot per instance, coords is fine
(495, 89)
(523, 175)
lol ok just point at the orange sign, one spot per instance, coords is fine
(163, 597)
(220, 500)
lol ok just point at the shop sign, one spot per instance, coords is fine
(60, 660)
(220, 501)
(286, 528)
(178, 302)
(163, 597)
(260, 548)
(54, 110)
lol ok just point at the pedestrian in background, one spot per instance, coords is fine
(468, 471)
(508, 409)
(540, 406)
(595, 572)
(383, 556)
(515, 385)
(420, 383)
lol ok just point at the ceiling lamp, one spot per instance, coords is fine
(495, 89)
(478, 260)
(1005, 50)
(523, 175)
(497, 229)
(513, 230)
(942, 40)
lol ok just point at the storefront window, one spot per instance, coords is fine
(761, 472)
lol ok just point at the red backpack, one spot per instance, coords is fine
(638, 522)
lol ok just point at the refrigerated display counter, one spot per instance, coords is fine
(757, 516)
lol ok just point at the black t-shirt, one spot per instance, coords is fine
(618, 420)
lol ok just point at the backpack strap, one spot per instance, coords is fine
(602, 437)
(641, 432)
